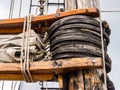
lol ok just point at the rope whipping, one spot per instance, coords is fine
(103, 51)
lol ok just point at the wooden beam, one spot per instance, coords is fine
(10, 71)
(18, 22)
(15, 30)
(89, 79)
(19, 77)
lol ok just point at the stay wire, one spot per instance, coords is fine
(11, 9)
(15, 85)
(28, 46)
(30, 7)
(20, 8)
(103, 51)
(12, 85)
(2, 85)
(58, 4)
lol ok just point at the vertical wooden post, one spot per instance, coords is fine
(79, 4)
(70, 5)
(84, 79)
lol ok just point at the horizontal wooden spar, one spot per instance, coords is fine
(45, 20)
(45, 70)
(15, 30)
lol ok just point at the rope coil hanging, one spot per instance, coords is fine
(25, 49)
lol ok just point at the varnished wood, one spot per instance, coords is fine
(19, 77)
(8, 70)
(14, 24)
(20, 30)
(60, 80)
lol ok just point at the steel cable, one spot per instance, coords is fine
(20, 8)
(103, 55)
(11, 9)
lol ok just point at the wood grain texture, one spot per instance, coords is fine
(76, 81)
(42, 68)
(93, 79)
(46, 20)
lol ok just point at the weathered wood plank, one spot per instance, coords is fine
(8, 70)
(93, 79)
(76, 81)
(70, 5)
(15, 30)
(19, 77)
(18, 22)
(80, 4)
(60, 66)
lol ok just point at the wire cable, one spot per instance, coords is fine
(30, 7)
(11, 9)
(110, 11)
(103, 51)
(3, 85)
(20, 8)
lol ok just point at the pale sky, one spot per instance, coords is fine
(112, 18)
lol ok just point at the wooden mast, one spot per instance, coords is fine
(89, 79)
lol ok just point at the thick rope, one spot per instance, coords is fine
(24, 74)
(103, 51)
(25, 50)
(27, 44)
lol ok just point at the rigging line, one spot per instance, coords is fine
(103, 56)
(20, 8)
(46, 86)
(58, 4)
(11, 9)
(110, 11)
(12, 85)
(36, 11)
(15, 85)
(28, 46)
(24, 74)
(30, 7)
(47, 1)
(25, 60)
(3, 85)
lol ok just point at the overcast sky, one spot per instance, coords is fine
(112, 18)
